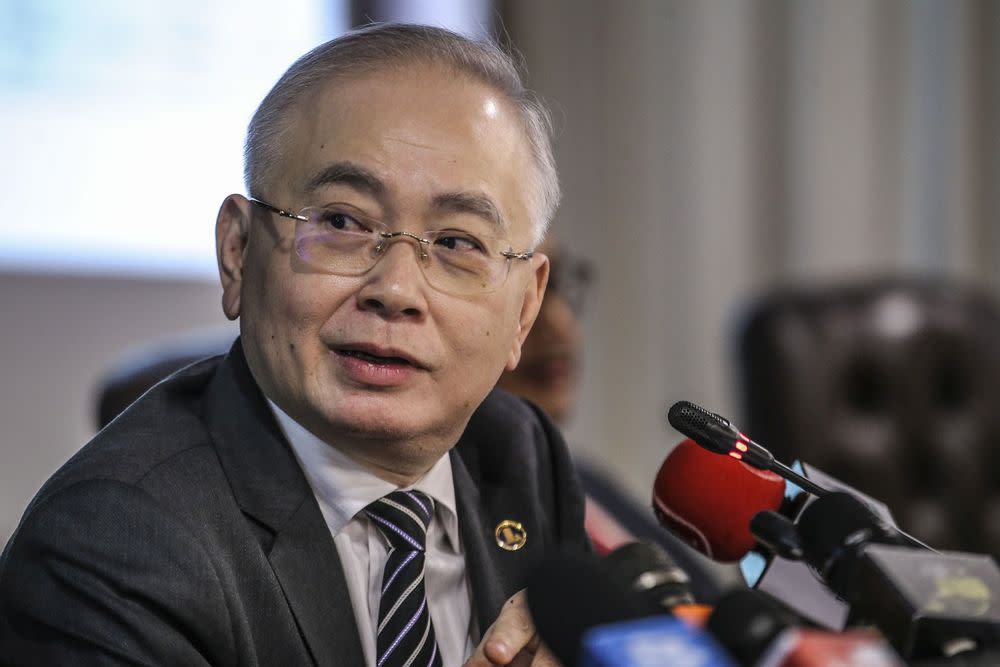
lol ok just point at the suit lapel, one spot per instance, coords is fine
(483, 564)
(494, 573)
(305, 561)
(271, 488)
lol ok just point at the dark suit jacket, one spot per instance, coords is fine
(186, 534)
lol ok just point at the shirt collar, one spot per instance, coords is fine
(344, 487)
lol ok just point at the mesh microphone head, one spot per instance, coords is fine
(832, 528)
(686, 412)
(708, 429)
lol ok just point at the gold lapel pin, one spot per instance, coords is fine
(510, 535)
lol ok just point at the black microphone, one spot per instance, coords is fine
(777, 533)
(571, 593)
(586, 617)
(792, 580)
(928, 604)
(758, 630)
(718, 434)
(746, 622)
(647, 570)
(832, 530)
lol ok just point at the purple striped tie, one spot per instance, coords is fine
(405, 634)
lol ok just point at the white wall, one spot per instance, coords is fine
(59, 335)
(711, 149)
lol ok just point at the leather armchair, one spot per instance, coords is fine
(130, 377)
(892, 385)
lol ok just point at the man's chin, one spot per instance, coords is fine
(376, 418)
(413, 415)
(406, 447)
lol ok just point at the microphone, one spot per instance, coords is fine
(746, 621)
(586, 617)
(647, 570)
(708, 500)
(717, 434)
(786, 575)
(777, 533)
(758, 630)
(830, 531)
(928, 604)
(694, 498)
(570, 593)
(651, 642)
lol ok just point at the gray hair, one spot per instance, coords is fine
(365, 50)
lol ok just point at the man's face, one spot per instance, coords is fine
(406, 145)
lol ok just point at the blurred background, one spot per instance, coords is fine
(798, 195)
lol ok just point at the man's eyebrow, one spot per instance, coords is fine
(364, 180)
(475, 203)
(350, 174)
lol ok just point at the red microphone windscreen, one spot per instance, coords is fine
(708, 499)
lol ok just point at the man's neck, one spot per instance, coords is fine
(398, 462)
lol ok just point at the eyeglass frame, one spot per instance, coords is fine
(387, 237)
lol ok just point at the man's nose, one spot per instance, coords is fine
(396, 286)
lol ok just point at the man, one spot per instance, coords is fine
(343, 487)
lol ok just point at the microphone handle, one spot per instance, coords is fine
(812, 487)
(914, 542)
(795, 478)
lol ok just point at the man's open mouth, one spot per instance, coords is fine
(374, 358)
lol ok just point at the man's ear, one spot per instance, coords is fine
(232, 229)
(534, 292)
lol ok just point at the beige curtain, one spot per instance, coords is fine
(711, 149)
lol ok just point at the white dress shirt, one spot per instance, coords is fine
(343, 488)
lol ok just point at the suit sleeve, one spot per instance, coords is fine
(99, 573)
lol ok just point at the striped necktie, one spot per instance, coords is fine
(405, 635)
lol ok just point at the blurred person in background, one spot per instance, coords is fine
(549, 371)
(549, 376)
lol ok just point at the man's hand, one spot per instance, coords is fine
(512, 639)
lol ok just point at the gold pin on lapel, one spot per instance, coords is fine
(510, 535)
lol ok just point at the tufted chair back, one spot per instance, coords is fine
(893, 386)
(132, 375)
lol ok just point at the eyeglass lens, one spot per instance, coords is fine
(452, 261)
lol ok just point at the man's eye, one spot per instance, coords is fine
(459, 242)
(342, 222)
